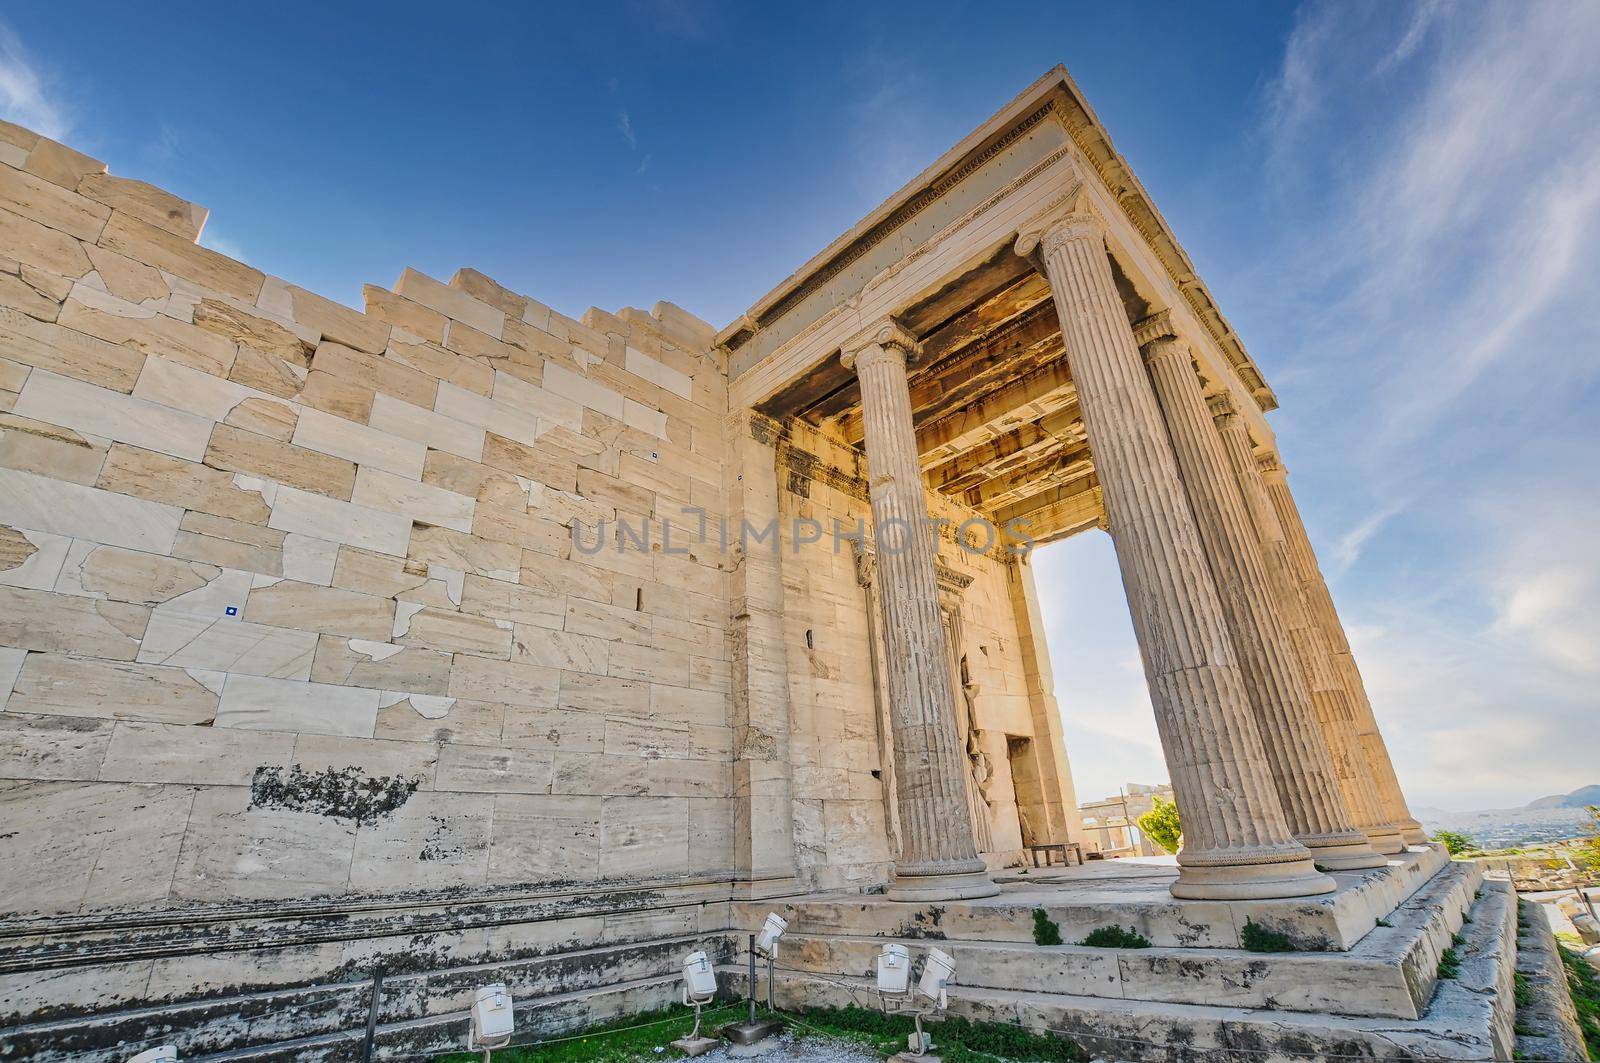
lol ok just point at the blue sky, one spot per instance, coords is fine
(1396, 205)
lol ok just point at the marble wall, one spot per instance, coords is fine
(289, 598)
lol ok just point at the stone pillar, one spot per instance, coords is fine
(1291, 735)
(1310, 648)
(938, 857)
(1344, 663)
(1061, 821)
(763, 847)
(1236, 842)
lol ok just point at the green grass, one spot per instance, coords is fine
(957, 1040)
(615, 1042)
(1115, 937)
(1584, 982)
(1522, 993)
(1257, 938)
(1449, 963)
(1045, 931)
(637, 1038)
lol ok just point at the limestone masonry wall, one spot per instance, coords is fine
(289, 602)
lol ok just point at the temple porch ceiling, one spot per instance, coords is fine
(993, 402)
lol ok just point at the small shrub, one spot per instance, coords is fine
(1045, 931)
(1116, 937)
(1449, 963)
(1162, 825)
(1455, 843)
(1257, 938)
(1384, 922)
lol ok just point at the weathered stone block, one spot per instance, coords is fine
(60, 685)
(143, 242)
(145, 202)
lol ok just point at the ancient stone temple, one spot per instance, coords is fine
(456, 639)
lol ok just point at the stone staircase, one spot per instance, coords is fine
(1383, 999)
(269, 987)
(298, 985)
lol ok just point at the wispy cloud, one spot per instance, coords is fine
(1438, 174)
(27, 95)
(625, 127)
(1348, 549)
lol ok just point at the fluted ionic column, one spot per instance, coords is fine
(1344, 662)
(1236, 843)
(938, 857)
(1291, 735)
(1310, 648)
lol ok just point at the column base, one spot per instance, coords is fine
(1412, 833)
(1249, 875)
(1343, 852)
(961, 883)
(1386, 839)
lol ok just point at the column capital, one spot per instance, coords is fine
(1158, 326)
(1271, 467)
(1224, 411)
(884, 335)
(1066, 218)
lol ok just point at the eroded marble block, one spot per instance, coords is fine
(265, 704)
(539, 838)
(233, 850)
(61, 685)
(121, 849)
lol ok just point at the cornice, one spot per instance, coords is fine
(1058, 95)
(782, 299)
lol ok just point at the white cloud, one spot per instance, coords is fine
(27, 97)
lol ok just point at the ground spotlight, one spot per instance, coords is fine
(162, 1054)
(492, 1019)
(699, 989)
(771, 931)
(895, 992)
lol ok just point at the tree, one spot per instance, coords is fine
(1454, 842)
(1161, 824)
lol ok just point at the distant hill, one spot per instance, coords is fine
(1583, 795)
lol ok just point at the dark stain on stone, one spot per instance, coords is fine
(338, 793)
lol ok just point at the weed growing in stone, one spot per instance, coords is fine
(1257, 938)
(1045, 931)
(1115, 937)
(1449, 963)
(1584, 983)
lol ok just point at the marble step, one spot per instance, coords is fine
(1468, 1017)
(101, 974)
(241, 1022)
(1389, 973)
(546, 1017)
(1079, 901)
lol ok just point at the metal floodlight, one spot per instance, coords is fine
(937, 970)
(161, 1054)
(699, 989)
(699, 979)
(894, 970)
(771, 931)
(492, 1019)
(896, 993)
